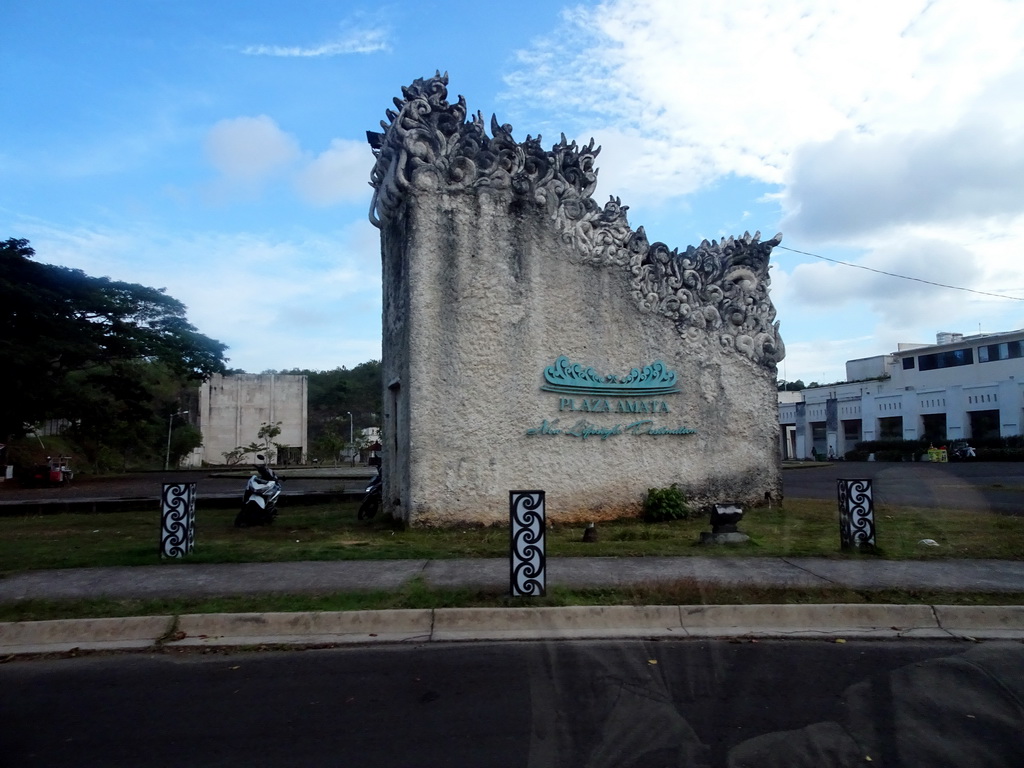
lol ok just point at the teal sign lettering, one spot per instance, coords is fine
(572, 378)
(583, 430)
(603, 405)
(583, 390)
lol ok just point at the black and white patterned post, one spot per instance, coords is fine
(526, 532)
(856, 514)
(177, 519)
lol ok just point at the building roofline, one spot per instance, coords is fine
(964, 341)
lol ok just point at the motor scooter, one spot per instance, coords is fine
(961, 450)
(259, 502)
(370, 505)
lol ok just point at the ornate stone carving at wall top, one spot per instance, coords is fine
(714, 293)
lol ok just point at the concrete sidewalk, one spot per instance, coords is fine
(442, 625)
(183, 579)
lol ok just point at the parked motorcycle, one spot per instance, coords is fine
(259, 502)
(960, 450)
(370, 505)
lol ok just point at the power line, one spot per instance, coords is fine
(903, 277)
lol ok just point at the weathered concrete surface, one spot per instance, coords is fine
(419, 625)
(474, 624)
(496, 263)
(233, 408)
(484, 335)
(225, 579)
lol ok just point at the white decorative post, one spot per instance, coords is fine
(526, 533)
(178, 519)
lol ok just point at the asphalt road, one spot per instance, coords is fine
(614, 704)
(147, 485)
(984, 486)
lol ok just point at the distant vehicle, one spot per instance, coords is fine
(259, 502)
(56, 471)
(959, 450)
(370, 505)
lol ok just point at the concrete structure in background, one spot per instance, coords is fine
(233, 408)
(533, 340)
(959, 388)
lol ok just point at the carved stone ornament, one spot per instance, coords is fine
(716, 292)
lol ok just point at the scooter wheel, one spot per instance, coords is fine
(369, 508)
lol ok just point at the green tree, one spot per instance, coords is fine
(332, 396)
(184, 439)
(109, 358)
(262, 445)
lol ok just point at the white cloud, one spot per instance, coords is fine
(891, 128)
(285, 301)
(824, 360)
(856, 185)
(897, 301)
(702, 90)
(248, 150)
(337, 175)
(365, 40)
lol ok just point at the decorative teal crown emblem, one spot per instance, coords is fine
(572, 378)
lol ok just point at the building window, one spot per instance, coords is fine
(934, 428)
(1008, 350)
(891, 428)
(950, 359)
(984, 423)
(908, 363)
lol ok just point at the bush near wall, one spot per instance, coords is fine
(998, 443)
(888, 450)
(998, 448)
(987, 449)
(1000, 454)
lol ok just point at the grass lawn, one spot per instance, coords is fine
(419, 595)
(332, 532)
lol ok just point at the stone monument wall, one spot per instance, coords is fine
(533, 340)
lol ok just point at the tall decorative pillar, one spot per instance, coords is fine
(527, 570)
(856, 514)
(177, 519)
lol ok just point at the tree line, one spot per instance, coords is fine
(98, 368)
(332, 396)
(104, 363)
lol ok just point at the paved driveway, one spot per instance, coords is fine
(989, 486)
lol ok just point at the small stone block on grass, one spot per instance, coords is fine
(724, 521)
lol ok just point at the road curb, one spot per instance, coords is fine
(56, 636)
(306, 628)
(468, 624)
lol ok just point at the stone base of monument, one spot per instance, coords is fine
(724, 519)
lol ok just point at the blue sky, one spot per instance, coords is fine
(218, 149)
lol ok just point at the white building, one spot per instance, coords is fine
(959, 388)
(233, 408)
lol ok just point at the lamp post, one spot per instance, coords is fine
(351, 439)
(170, 423)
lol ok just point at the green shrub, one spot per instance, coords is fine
(1000, 454)
(664, 504)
